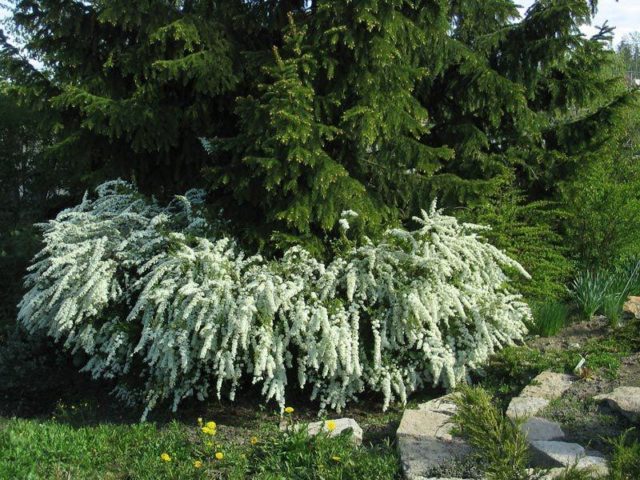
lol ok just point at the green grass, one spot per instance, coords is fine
(548, 318)
(612, 308)
(49, 449)
(300, 457)
(33, 449)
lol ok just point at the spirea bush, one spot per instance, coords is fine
(170, 307)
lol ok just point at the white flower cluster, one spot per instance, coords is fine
(150, 291)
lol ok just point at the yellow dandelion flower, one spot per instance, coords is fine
(200, 421)
(165, 457)
(219, 455)
(288, 410)
(254, 440)
(336, 458)
(208, 431)
(331, 425)
(211, 425)
(197, 464)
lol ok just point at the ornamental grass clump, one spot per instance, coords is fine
(157, 293)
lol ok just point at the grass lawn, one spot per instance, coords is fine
(50, 449)
(89, 440)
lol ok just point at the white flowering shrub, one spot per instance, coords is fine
(155, 293)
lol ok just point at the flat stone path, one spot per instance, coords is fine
(546, 438)
(426, 443)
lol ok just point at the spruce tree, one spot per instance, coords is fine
(280, 166)
(376, 106)
(423, 100)
(133, 84)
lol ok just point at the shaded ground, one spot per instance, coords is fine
(79, 401)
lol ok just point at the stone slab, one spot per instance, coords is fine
(625, 400)
(536, 428)
(525, 407)
(443, 405)
(550, 474)
(420, 454)
(594, 464)
(425, 439)
(426, 424)
(548, 385)
(632, 307)
(550, 454)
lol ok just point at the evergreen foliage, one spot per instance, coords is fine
(307, 106)
(32, 188)
(604, 200)
(281, 152)
(496, 439)
(131, 84)
(528, 232)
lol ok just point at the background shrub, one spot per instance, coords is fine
(604, 206)
(528, 232)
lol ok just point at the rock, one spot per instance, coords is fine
(549, 454)
(536, 428)
(548, 385)
(524, 407)
(418, 455)
(626, 400)
(632, 307)
(424, 423)
(425, 441)
(444, 405)
(341, 424)
(594, 464)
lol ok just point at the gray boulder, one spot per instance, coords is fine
(548, 385)
(339, 425)
(550, 454)
(625, 400)
(525, 407)
(425, 441)
(536, 428)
